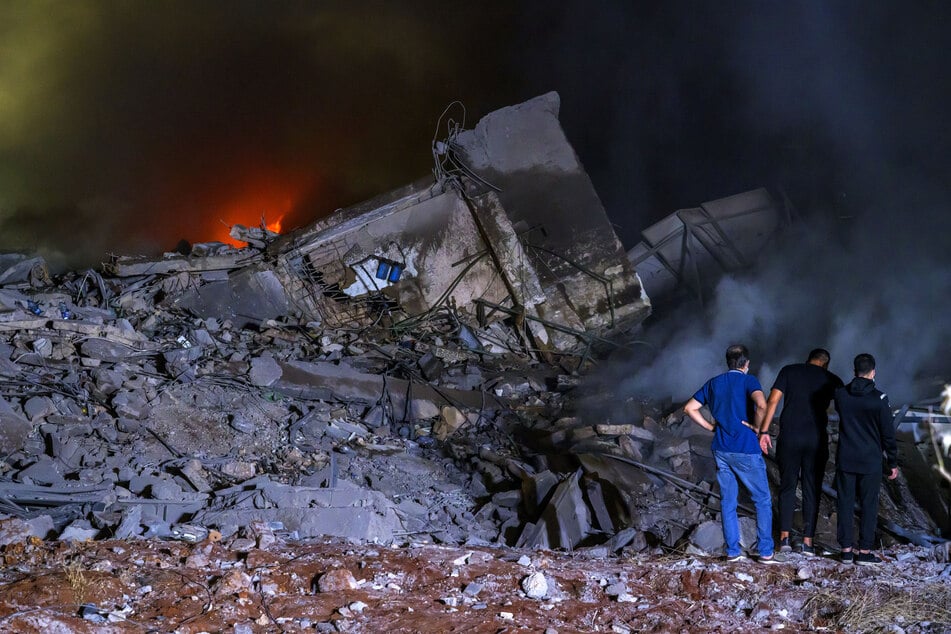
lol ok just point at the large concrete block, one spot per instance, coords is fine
(265, 371)
(564, 522)
(14, 429)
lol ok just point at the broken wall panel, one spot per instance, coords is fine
(420, 255)
(692, 247)
(523, 151)
(521, 225)
(248, 296)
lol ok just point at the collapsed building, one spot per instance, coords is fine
(510, 225)
(406, 368)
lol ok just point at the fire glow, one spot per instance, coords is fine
(265, 202)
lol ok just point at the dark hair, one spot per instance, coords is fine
(820, 354)
(736, 356)
(864, 363)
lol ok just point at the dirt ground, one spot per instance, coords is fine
(266, 584)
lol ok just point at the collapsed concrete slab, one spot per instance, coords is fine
(509, 228)
(564, 523)
(14, 429)
(17, 269)
(345, 510)
(518, 232)
(247, 296)
(328, 381)
(691, 248)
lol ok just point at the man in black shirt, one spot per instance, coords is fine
(866, 431)
(802, 449)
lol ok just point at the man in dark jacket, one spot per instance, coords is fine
(802, 448)
(866, 431)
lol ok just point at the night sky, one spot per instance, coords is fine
(126, 126)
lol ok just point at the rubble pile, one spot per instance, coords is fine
(133, 425)
(405, 370)
(126, 417)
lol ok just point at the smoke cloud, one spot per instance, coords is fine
(868, 267)
(127, 126)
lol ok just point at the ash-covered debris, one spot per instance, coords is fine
(125, 416)
(361, 378)
(407, 370)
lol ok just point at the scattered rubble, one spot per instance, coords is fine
(409, 371)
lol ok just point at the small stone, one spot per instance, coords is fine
(614, 430)
(524, 560)
(473, 589)
(14, 530)
(423, 409)
(535, 585)
(760, 612)
(804, 573)
(38, 406)
(506, 616)
(336, 579)
(358, 606)
(239, 470)
(200, 557)
(674, 449)
(450, 419)
(233, 582)
(240, 423)
(642, 433)
(615, 589)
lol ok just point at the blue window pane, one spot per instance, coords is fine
(395, 272)
(382, 270)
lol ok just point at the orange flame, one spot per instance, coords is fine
(264, 200)
(276, 225)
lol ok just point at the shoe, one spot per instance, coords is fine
(775, 558)
(846, 557)
(784, 546)
(809, 550)
(867, 559)
(735, 558)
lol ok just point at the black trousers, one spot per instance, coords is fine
(867, 486)
(806, 462)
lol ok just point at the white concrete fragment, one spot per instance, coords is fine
(535, 585)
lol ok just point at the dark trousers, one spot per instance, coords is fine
(867, 486)
(809, 463)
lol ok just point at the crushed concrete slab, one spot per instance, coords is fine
(564, 523)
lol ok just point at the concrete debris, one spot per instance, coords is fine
(336, 580)
(535, 586)
(690, 249)
(408, 370)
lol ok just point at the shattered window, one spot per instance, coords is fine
(388, 271)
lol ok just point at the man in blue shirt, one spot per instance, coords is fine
(734, 398)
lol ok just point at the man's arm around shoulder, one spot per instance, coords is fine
(765, 442)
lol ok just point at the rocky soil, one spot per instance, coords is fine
(267, 583)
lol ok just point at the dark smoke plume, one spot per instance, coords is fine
(868, 268)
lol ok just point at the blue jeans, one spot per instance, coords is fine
(750, 469)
